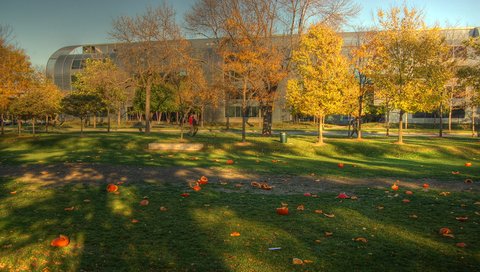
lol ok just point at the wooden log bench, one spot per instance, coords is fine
(187, 147)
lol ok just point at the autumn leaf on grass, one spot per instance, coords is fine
(301, 207)
(13, 192)
(329, 215)
(444, 193)
(235, 234)
(328, 234)
(461, 244)
(163, 209)
(462, 218)
(307, 261)
(134, 221)
(319, 211)
(455, 172)
(69, 208)
(446, 232)
(361, 239)
(297, 261)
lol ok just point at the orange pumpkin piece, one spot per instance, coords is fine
(112, 188)
(235, 234)
(395, 187)
(446, 232)
(455, 172)
(13, 193)
(406, 201)
(197, 188)
(461, 244)
(60, 241)
(297, 261)
(343, 196)
(468, 180)
(462, 218)
(230, 161)
(203, 180)
(69, 208)
(444, 193)
(341, 165)
(409, 192)
(425, 186)
(328, 234)
(144, 202)
(134, 221)
(282, 211)
(185, 195)
(361, 239)
(318, 211)
(468, 164)
(301, 207)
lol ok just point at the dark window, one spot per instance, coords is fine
(457, 113)
(78, 64)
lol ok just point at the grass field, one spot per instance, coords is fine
(193, 233)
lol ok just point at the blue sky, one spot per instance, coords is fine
(43, 26)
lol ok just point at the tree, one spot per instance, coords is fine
(15, 72)
(162, 99)
(81, 105)
(470, 77)
(266, 30)
(399, 66)
(103, 78)
(148, 49)
(323, 75)
(41, 99)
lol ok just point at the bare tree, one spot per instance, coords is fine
(148, 46)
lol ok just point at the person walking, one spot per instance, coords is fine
(190, 124)
(354, 124)
(194, 125)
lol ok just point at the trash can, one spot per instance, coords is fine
(283, 137)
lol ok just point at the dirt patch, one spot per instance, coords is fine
(231, 180)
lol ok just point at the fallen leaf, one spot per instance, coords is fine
(235, 234)
(134, 221)
(13, 193)
(353, 197)
(477, 213)
(86, 200)
(455, 172)
(462, 218)
(380, 207)
(409, 192)
(144, 202)
(301, 207)
(307, 261)
(331, 215)
(163, 209)
(69, 208)
(414, 216)
(444, 193)
(461, 244)
(319, 211)
(318, 241)
(360, 239)
(406, 201)
(328, 234)
(185, 195)
(297, 261)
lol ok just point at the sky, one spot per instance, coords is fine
(41, 27)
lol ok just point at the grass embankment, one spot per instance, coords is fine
(193, 234)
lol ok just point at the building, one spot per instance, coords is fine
(66, 61)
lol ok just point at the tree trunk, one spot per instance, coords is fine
(181, 128)
(177, 116)
(19, 126)
(440, 131)
(473, 121)
(81, 126)
(119, 117)
(320, 130)
(95, 120)
(244, 110)
(3, 124)
(359, 120)
(148, 91)
(227, 109)
(169, 117)
(406, 120)
(33, 126)
(349, 125)
(388, 123)
(400, 127)
(267, 112)
(46, 123)
(202, 116)
(108, 120)
(450, 110)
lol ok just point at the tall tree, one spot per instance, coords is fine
(15, 72)
(148, 48)
(323, 75)
(399, 64)
(103, 78)
(81, 105)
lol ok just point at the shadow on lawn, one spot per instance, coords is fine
(193, 234)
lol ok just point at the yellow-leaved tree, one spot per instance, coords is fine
(323, 75)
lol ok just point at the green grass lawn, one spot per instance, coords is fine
(193, 234)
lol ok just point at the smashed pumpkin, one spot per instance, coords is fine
(112, 188)
(60, 241)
